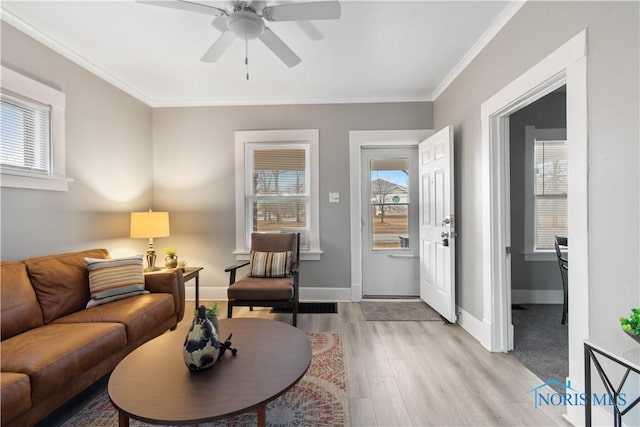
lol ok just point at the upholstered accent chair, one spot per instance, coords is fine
(273, 277)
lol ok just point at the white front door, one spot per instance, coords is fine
(390, 222)
(437, 223)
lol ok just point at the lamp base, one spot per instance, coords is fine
(151, 259)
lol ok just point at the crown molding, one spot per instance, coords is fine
(36, 34)
(287, 101)
(512, 8)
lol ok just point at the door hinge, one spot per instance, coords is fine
(508, 250)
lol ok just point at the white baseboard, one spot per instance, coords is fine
(306, 294)
(479, 329)
(532, 296)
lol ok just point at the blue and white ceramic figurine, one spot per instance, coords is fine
(202, 345)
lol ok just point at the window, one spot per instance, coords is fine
(26, 140)
(546, 190)
(277, 187)
(32, 134)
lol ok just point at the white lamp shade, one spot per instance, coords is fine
(149, 224)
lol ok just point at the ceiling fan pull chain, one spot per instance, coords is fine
(246, 51)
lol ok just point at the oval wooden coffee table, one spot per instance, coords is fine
(153, 384)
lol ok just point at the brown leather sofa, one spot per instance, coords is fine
(53, 347)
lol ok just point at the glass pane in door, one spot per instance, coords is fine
(389, 204)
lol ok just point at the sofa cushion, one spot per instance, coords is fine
(61, 281)
(55, 354)
(20, 308)
(255, 288)
(114, 279)
(16, 395)
(139, 314)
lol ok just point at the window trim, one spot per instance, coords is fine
(308, 137)
(531, 135)
(56, 179)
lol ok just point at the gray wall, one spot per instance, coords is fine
(108, 155)
(613, 86)
(549, 112)
(194, 176)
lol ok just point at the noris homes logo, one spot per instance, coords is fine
(571, 397)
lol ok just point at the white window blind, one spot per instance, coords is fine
(25, 134)
(279, 196)
(550, 192)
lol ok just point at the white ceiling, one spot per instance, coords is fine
(378, 51)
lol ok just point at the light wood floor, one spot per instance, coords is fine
(423, 373)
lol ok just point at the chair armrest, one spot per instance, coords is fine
(236, 266)
(169, 282)
(232, 271)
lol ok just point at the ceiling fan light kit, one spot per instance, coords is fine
(245, 23)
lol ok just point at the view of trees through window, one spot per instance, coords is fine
(389, 204)
(280, 191)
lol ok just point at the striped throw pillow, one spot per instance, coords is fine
(270, 264)
(114, 279)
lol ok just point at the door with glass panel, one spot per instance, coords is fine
(390, 264)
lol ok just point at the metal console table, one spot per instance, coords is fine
(628, 359)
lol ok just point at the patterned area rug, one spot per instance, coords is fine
(398, 311)
(319, 399)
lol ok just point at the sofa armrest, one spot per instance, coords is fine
(170, 282)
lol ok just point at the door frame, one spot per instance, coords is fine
(357, 141)
(567, 65)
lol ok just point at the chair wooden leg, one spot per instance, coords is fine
(250, 308)
(294, 321)
(229, 310)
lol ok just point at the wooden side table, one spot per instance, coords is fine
(188, 274)
(191, 273)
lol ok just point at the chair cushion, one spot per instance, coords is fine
(16, 395)
(114, 279)
(256, 288)
(270, 264)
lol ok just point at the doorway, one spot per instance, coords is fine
(538, 193)
(390, 266)
(359, 140)
(566, 65)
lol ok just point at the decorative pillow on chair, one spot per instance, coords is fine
(114, 279)
(270, 264)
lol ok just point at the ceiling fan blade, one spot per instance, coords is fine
(302, 11)
(185, 5)
(218, 47)
(220, 23)
(278, 47)
(310, 30)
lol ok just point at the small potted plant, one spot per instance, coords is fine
(631, 324)
(171, 259)
(213, 311)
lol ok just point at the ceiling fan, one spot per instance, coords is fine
(247, 22)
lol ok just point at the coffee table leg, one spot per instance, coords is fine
(262, 416)
(123, 420)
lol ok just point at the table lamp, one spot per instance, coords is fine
(147, 225)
